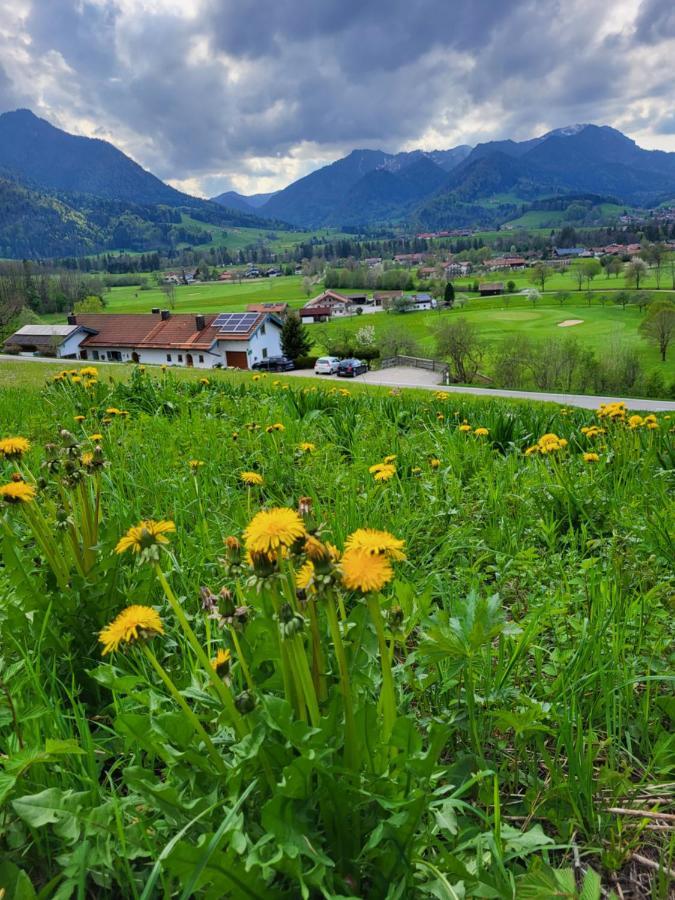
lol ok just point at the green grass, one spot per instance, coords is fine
(508, 688)
(210, 297)
(602, 326)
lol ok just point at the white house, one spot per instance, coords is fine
(196, 341)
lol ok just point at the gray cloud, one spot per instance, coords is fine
(214, 93)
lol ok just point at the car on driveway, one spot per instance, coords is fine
(349, 368)
(274, 364)
(326, 365)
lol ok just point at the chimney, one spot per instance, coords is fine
(155, 310)
(164, 315)
(72, 319)
(200, 323)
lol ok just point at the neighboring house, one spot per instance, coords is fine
(568, 252)
(203, 342)
(457, 268)
(328, 305)
(426, 272)
(421, 301)
(490, 289)
(226, 276)
(384, 299)
(274, 309)
(506, 262)
(61, 341)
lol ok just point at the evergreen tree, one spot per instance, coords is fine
(295, 339)
(449, 294)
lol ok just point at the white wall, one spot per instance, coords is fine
(154, 357)
(270, 341)
(71, 345)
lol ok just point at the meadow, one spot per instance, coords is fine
(267, 640)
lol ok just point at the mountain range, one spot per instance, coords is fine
(63, 195)
(483, 185)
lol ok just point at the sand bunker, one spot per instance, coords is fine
(568, 322)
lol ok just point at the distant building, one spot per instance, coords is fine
(274, 309)
(506, 262)
(457, 268)
(328, 305)
(490, 289)
(568, 252)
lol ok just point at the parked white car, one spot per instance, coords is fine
(326, 365)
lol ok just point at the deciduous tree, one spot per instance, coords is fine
(458, 341)
(659, 325)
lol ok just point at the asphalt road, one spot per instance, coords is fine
(403, 377)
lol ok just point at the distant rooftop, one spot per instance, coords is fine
(46, 330)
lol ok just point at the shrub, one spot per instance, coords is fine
(305, 362)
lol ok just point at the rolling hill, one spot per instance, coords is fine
(61, 195)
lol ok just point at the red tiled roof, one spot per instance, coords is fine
(178, 332)
(267, 307)
(316, 311)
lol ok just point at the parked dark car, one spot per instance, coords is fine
(348, 368)
(274, 364)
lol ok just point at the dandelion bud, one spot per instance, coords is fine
(290, 623)
(305, 507)
(233, 548)
(226, 603)
(245, 702)
(209, 600)
(17, 477)
(395, 617)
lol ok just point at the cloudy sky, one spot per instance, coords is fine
(251, 94)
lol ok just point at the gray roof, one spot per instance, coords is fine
(46, 331)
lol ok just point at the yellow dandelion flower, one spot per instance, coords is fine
(482, 432)
(440, 417)
(415, 470)
(435, 463)
(365, 572)
(196, 464)
(79, 418)
(390, 458)
(76, 379)
(135, 623)
(113, 411)
(384, 472)
(591, 457)
(465, 428)
(251, 478)
(304, 580)
(204, 381)
(87, 459)
(145, 535)
(14, 447)
(256, 378)
(635, 421)
(17, 492)
(652, 425)
(306, 447)
(89, 371)
(272, 529)
(221, 662)
(377, 543)
(95, 437)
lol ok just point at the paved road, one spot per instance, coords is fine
(403, 377)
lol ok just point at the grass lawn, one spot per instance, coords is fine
(234, 238)
(210, 297)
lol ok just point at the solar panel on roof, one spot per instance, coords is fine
(235, 323)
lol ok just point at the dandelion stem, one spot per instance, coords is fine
(351, 750)
(388, 696)
(220, 688)
(180, 700)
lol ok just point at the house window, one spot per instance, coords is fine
(262, 328)
(95, 354)
(201, 358)
(180, 357)
(168, 357)
(264, 352)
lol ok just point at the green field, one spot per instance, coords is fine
(210, 297)
(462, 703)
(234, 238)
(602, 326)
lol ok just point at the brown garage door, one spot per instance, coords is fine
(237, 358)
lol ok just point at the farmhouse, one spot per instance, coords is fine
(203, 342)
(62, 341)
(421, 301)
(328, 305)
(568, 252)
(457, 268)
(491, 288)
